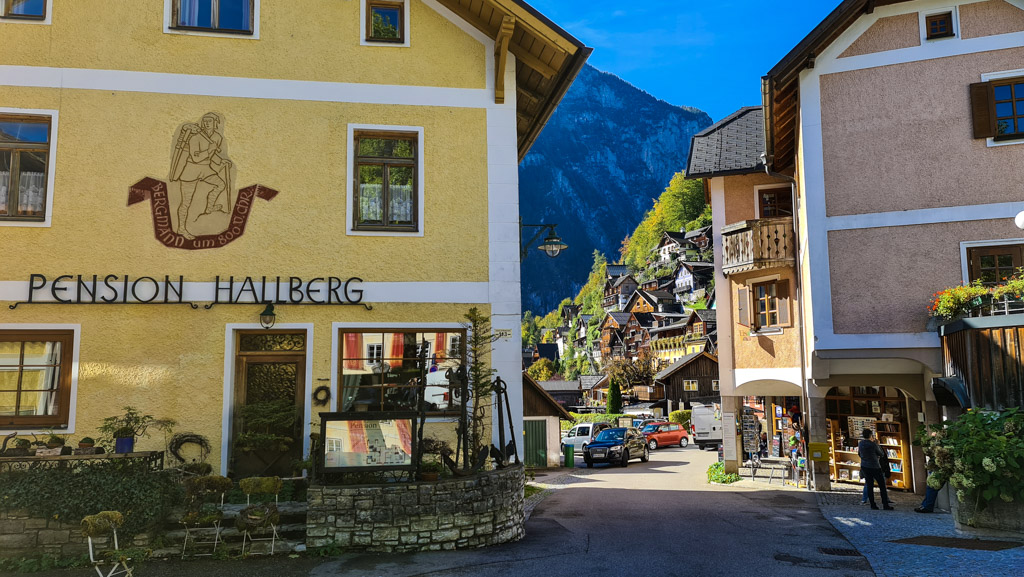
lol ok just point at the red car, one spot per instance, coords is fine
(665, 435)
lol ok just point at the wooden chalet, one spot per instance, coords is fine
(693, 378)
(617, 292)
(611, 334)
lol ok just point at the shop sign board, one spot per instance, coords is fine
(368, 441)
(818, 451)
(729, 436)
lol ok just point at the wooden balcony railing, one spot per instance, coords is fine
(758, 244)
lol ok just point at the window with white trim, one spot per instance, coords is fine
(25, 141)
(385, 175)
(714, 385)
(689, 386)
(226, 16)
(24, 9)
(35, 378)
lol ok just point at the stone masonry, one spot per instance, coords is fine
(24, 535)
(456, 513)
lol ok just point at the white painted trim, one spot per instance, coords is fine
(51, 165)
(723, 293)
(421, 184)
(921, 15)
(46, 21)
(767, 278)
(257, 88)
(373, 292)
(75, 363)
(230, 330)
(947, 214)
(255, 25)
(964, 245)
(790, 375)
(831, 341)
(336, 327)
(757, 198)
(405, 24)
(988, 76)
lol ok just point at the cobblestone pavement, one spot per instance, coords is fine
(871, 532)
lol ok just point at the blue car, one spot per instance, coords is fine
(617, 445)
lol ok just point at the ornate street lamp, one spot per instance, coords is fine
(552, 245)
(267, 317)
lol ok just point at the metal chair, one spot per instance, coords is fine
(201, 514)
(260, 517)
(103, 524)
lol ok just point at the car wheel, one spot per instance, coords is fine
(683, 442)
(646, 456)
(625, 458)
(590, 464)
(700, 446)
(652, 444)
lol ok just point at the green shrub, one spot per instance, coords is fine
(682, 417)
(717, 474)
(68, 495)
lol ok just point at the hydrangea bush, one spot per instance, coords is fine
(981, 455)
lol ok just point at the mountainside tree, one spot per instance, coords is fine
(681, 203)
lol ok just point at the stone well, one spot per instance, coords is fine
(455, 513)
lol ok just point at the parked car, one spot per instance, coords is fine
(665, 435)
(641, 424)
(617, 445)
(581, 435)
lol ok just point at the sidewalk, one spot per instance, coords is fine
(873, 532)
(549, 480)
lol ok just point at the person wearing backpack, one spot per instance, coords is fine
(871, 469)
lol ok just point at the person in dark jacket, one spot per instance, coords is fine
(871, 469)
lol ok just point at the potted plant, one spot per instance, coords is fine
(86, 443)
(430, 470)
(19, 448)
(125, 429)
(53, 440)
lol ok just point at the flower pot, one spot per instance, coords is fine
(86, 445)
(125, 445)
(429, 476)
(54, 445)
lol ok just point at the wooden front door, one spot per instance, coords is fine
(270, 389)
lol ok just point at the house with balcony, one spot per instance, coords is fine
(670, 248)
(617, 291)
(692, 280)
(846, 183)
(612, 342)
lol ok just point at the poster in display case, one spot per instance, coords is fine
(368, 441)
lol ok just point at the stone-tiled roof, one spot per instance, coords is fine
(588, 382)
(732, 145)
(615, 270)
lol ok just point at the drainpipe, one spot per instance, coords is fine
(804, 397)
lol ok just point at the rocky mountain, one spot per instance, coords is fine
(608, 150)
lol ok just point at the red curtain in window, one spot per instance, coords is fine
(397, 350)
(354, 348)
(441, 345)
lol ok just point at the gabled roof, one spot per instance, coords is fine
(547, 58)
(546, 398)
(588, 382)
(732, 145)
(780, 87)
(706, 315)
(698, 232)
(620, 280)
(645, 320)
(619, 318)
(616, 270)
(661, 295)
(681, 363)
(559, 386)
(676, 237)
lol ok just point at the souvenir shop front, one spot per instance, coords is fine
(884, 410)
(779, 424)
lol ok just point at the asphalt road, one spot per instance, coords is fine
(659, 518)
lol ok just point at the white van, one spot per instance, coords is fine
(706, 424)
(581, 435)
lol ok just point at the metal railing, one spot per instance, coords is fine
(758, 244)
(153, 460)
(990, 307)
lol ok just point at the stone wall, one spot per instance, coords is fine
(456, 513)
(998, 515)
(22, 535)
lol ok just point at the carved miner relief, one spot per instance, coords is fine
(198, 208)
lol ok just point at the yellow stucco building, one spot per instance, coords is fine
(168, 168)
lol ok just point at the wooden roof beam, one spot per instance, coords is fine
(532, 61)
(501, 46)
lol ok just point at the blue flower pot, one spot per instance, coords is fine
(124, 445)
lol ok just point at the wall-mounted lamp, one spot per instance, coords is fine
(267, 317)
(1019, 220)
(552, 245)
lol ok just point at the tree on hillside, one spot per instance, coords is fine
(591, 295)
(542, 370)
(614, 404)
(680, 203)
(701, 221)
(530, 330)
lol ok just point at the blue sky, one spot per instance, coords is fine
(710, 54)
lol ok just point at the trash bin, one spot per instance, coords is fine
(567, 450)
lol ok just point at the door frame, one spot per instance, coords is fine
(230, 333)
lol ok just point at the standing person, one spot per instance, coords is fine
(871, 469)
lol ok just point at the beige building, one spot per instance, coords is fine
(895, 124)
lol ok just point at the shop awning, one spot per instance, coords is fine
(951, 392)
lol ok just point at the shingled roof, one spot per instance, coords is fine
(732, 145)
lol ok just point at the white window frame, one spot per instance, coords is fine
(421, 185)
(169, 29)
(923, 15)
(45, 21)
(406, 36)
(51, 166)
(989, 76)
(688, 384)
(73, 397)
(715, 386)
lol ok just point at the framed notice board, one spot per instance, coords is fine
(858, 424)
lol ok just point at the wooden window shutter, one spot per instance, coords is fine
(743, 301)
(983, 110)
(782, 294)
